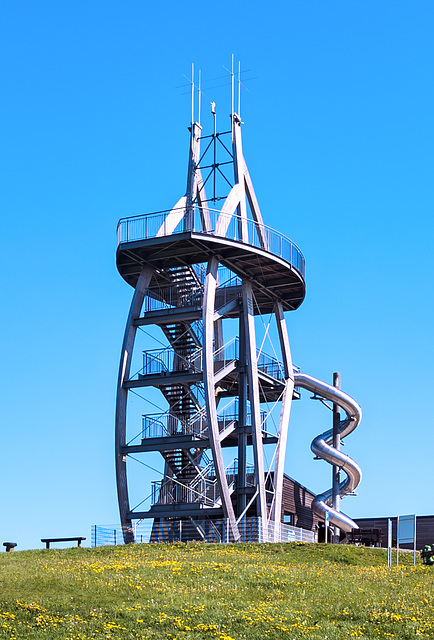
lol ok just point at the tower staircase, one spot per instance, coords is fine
(182, 400)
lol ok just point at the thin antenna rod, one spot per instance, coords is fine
(199, 93)
(239, 88)
(214, 150)
(232, 78)
(192, 93)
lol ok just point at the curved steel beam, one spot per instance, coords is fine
(237, 150)
(255, 406)
(285, 410)
(209, 385)
(321, 448)
(121, 400)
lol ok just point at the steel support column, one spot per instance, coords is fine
(210, 397)
(336, 476)
(279, 464)
(242, 418)
(255, 409)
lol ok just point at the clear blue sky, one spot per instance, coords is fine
(338, 137)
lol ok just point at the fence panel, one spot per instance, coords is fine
(205, 530)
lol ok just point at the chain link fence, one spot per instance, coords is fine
(149, 531)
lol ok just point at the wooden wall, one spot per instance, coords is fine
(297, 500)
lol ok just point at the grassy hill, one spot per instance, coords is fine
(223, 592)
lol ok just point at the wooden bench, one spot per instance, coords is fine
(47, 541)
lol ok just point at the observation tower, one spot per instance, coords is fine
(206, 274)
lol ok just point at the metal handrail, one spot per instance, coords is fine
(228, 351)
(156, 425)
(157, 361)
(203, 488)
(170, 296)
(229, 226)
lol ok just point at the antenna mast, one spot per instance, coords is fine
(199, 95)
(232, 82)
(239, 88)
(192, 93)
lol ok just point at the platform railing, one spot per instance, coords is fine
(172, 296)
(231, 227)
(204, 488)
(155, 425)
(270, 365)
(157, 361)
(162, 425)
(171, 492)
(232, 472)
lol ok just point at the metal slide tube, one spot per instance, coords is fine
(321, 448)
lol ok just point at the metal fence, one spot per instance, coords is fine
(154, 531)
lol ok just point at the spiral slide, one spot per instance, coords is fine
(321, 447)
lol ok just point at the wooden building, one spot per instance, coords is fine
(296, 510)
(296, 506)
(424, 530)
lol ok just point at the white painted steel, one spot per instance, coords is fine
(279, 465)
(255, 407)
(254, 207)
(239, 175)
(173, 219)
(210, 396)
(195, 183)
(228, 209)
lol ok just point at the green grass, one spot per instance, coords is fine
(224, 592)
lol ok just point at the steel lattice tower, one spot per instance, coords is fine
(194, 268)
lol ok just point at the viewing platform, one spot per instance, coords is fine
(168, 239)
